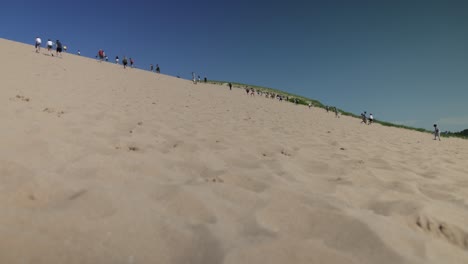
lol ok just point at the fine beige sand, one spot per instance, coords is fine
(104, 165)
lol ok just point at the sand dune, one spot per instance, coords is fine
(105, 165)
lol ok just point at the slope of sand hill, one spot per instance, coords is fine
(104, 165)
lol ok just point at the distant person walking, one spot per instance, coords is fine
(79, 53)
(364, 117)
(151, 67)
(193, 78)
(49, 46)
(371, 119)
(205, 80)
(101, 55)
(436, 132)
(125, 62)
(131, 62)
(59, 47)
(337, 114)
(158, 70)
(38, 44)
(230, 86)
(117, 59)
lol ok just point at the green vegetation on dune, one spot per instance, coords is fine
(305, 101)
(301, 99)
(461, 134)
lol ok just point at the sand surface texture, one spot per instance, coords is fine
(104, 165)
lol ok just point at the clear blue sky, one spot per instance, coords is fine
(404, 61)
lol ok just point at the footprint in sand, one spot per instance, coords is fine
(77, 194)
(211, 175)
(215, 180)
(133, 130)
(21, 98)
(341, 180)
(448, 232)
(51, 111)
(133, 148)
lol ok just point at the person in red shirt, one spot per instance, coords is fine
(101, 55)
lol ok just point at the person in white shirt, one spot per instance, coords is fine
(436, 132)
(38, 44)
(49, 46)
(371, 119)
(193, 78)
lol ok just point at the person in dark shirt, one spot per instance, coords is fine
(364, 118)
(125, 62)
(59, 46)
